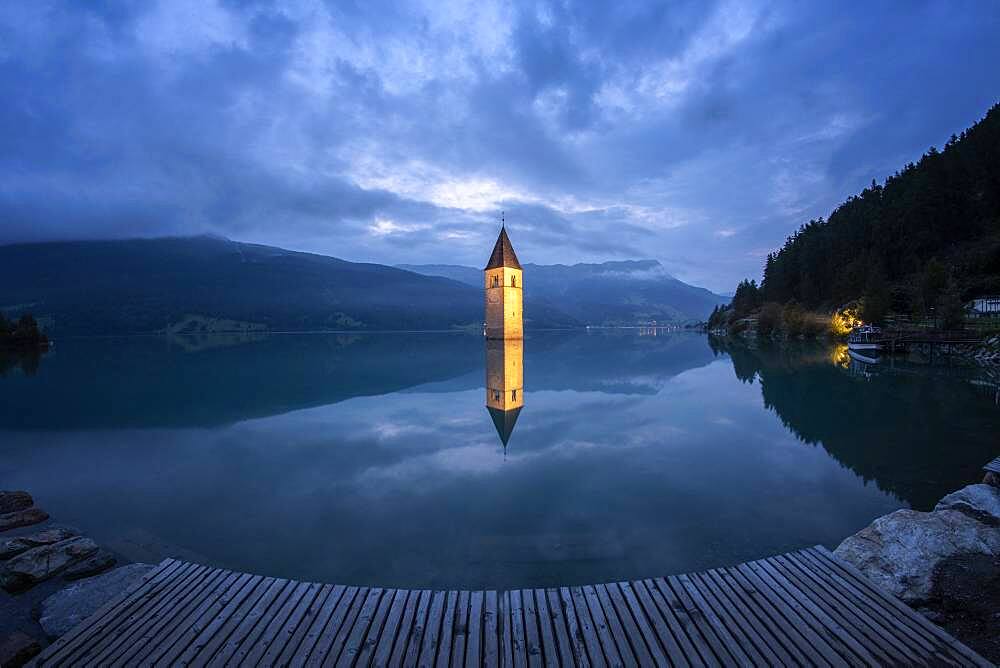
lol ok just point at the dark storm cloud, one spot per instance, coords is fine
(696, 133)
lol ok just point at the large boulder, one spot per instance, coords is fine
(73, 604)
(11, 547)
(41, 563)
(100, 561)
(980, 501)
(899, 551)
(13, 501)
(22, 518)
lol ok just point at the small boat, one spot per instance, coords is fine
(860, 357)
(865, 337)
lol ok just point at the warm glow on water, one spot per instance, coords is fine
(373, 459)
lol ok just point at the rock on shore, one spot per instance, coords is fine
(11, 502)
(899, 551)
(43, 562)
(945, 563)
(22, 518)
(11, 547)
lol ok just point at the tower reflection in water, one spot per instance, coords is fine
(504, 384)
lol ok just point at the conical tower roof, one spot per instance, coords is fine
(503, 253)
(504, 421)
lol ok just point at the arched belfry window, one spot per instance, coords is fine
(496, 281)
(513, 281)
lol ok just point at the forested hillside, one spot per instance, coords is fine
(931, 232)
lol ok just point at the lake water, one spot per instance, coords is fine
(374, 459)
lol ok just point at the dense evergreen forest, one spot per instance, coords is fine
(922, 243)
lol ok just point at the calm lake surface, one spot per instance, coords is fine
(374, 460)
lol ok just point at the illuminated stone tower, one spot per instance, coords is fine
(504, 319)
(504, 383)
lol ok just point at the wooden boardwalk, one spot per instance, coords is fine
(801, 608)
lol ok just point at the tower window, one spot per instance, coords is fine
(496, 281)
(513, 281)
(513, 395)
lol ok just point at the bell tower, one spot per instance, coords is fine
(503, 273)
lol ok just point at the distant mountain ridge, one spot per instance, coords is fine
(626, 292)
(198, 284)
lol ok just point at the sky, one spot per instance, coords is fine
(699, 134)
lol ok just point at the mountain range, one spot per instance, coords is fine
(186, 285)
(626, 292)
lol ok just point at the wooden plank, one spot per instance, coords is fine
(203, 630)
(125, 625)
(626, 600)
(460, 638)
(377, 628)
(727, 618)
(623, 626)
(519, 642)
(325, 609)
(674, 605)
(717, 646)
(905, 612)
(560, 630)
(492, 629)
(310, 613)
(578, 646)
(506, 635)
(769, 651)
(253, 623)
(604, 631)
(588, 629)
(546, 652)
(882, 645)
(785, 638)
(817, 649)
(272, 631)
(474, 631)
(880, 604)
(550, 651)
(432, 630)
(215, 639)
(337, 640)
(353, 641)
(447, 633)
(639, 596)
(95, 624)
(532, 636)
(872, 605)
(325, 641)
(406, 624)
(391, 629)
(175, 622)
(416, 635)
(151, 624)
(668, 626)
(303, 613)
(833, 633)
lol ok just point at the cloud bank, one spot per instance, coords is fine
(699, 133)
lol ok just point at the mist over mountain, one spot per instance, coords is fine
(609, 293)
(202, 284)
